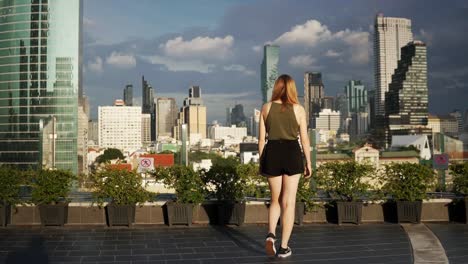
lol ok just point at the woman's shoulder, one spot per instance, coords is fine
(298, 107)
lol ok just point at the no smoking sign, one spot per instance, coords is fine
(440, 161)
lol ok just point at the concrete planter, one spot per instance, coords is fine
(299, 213)
(118, 215)
(53, 214)
(179, 213)
(349, 212)
(409, 211)
(230, 212)
(5, 213)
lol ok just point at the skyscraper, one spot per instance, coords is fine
(192, 113)
(166, 116)
(269, 70)
(406, 102)
(128, 95)
(148, 96)
(40, 69)
(356, 96)
(390, 35)
(313, 95)
(237, 116)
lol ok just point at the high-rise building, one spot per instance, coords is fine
(166, 116)
(328, 102)
(356, 95)
(406, 102)
(313, 95)
(228, 116)
(145, 129)
(192, 113)
(237, 116)
(390, 35)
(82, 140)
(128, 95)
(445, 124)
(457, 114)
(40, 80)
(93, 132)
(112, 134)
(269, 70)
(148, 96)
(328, 120)
(256, 122)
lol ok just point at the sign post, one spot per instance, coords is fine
(145, 164)
(440, 163)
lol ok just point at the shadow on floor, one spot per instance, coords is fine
(34, 253)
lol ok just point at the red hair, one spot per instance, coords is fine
(285, 90)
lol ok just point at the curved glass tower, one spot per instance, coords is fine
(39, 80)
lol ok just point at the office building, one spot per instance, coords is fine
(390, 35)
(145, 129)
(457, 114)
(328, 120)
(166, 116)
(219, 132)
(445, 124)
(356, 95)
(193, 114)
(406, 102)
(82, 140)
(237, 116)
(120, 126)
(93, 132)
(313, 95)
(40, 81)
(228, 116)
(269, 70)
(128, 95)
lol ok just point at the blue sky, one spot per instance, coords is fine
(217, 44)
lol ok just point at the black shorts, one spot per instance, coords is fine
(281, 157)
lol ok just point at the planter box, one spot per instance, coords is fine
(5, 212)
(231, 213)
(409, 211)
(349, 212)
(178, 213)
(118, 215)
(53, 214)
(299, 213)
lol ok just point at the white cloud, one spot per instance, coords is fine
(312, 33)
(124, 61)
(239, 68)
(257, 48)
(301, 61)
(177, 65)
(95, 65)
(199, 47)
(308, 34)
(332, 53)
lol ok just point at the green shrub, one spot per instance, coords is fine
(345, 180)
(407, 181)
(460, 178)
(305, 193)
(11, 180)
(51, 186)
(186, 182)
(121, 187)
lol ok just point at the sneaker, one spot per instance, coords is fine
(270, 244)
(284, 252)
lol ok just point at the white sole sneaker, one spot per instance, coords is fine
(270, 246)
(285, 255)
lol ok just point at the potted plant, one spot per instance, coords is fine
(407, 185)
(229, 182)
(460, 183)
(50, 189)
(188, 188)
(303, 200)
(11, 180)
(346, 183)
(124, 190)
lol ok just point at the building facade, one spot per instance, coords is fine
(128, 95)
(390, 35)
(313, 95)
(219, 132)
(166, 116)
(145, 129)
(269, 70)
(406, 102)
(40, 73)
(328, 120)
(112, 134)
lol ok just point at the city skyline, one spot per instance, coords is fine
(172, 58)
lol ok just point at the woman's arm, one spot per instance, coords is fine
(305, 142)
(261, 131)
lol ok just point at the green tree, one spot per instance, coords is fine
(110, 154)
(459, 172)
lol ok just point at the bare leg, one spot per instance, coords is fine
(275, 208)
(288, 203)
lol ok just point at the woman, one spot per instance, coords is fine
(282, 120)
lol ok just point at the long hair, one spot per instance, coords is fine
(285, 90)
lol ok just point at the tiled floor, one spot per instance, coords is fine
(326, 243)
(454, 238)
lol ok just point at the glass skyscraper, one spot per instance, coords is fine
(269, 70)
(39, 82)
(313, 96)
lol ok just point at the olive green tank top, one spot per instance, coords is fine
(281, 124)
